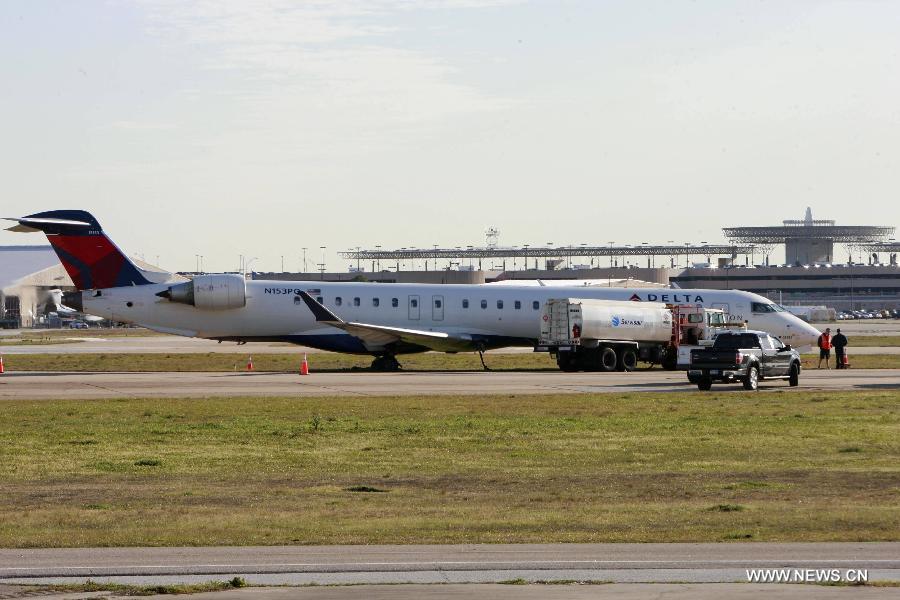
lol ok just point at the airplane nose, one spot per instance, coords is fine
(810, 335)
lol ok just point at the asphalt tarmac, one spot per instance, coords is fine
(331, 565)
(66, 385)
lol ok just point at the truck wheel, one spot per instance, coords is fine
(627, 360)
(670, 359)
(704, 384)
(566, 362)
(751, 381)
(608, 359)
(794, 376)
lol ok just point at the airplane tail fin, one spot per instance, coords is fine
(90, 258)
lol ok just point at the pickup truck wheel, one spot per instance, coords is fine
(751, 381)
(704, 384)
(627, 360)
(794, 376)
(608, 359)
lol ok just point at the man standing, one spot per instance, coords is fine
(825, 348)
(839, 341)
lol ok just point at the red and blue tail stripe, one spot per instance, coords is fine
(90, 258)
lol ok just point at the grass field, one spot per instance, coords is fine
(324, 361)
(604, 467)
(868, 341)
(32, 337)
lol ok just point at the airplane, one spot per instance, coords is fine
(381, 320)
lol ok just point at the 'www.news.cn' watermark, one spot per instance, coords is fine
(808, 575)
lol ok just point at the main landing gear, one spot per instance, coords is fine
(386, 362)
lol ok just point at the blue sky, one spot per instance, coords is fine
(258, 128)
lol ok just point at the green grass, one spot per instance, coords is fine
(50, 341)
(640, 467)
(325, 361)
(145, 590)
(857, 361)
(867, 341)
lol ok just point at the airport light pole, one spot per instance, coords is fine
(247, 266)
(322, 269)
(304, 260)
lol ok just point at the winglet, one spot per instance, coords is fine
(322, 314)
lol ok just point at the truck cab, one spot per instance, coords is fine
(698, 328)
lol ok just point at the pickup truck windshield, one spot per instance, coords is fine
(736, 341)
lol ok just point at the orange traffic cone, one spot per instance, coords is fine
(249, 363)
(304, 366)
(2, 370)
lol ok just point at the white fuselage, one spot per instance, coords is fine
(497, 315)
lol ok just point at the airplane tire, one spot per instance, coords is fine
(608, 359)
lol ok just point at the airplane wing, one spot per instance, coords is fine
(382, 335)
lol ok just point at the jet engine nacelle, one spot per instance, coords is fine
(209, 292)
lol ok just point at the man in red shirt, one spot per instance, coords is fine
(825, 348)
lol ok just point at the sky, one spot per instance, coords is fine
(257, 128)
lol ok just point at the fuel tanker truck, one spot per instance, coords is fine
(608, 335)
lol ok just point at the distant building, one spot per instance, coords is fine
(26, 272)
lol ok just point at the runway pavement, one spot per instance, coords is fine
(324, 565)
(60, 385)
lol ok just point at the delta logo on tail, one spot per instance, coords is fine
(635, 298)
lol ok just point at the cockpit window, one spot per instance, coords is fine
(759, 307)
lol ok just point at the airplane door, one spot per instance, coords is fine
(414, 307)
(437, 308)
(724, 307)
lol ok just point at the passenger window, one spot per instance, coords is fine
(466, 303)
(500, 304)
(484, 304)
(356, 301)
(765, 342)
(518, 305)
(337, 301)
(320, 300)
(414, 303)
(375, 302)
(536, 305)
(437, 303)
(395, 303)
(776, 343)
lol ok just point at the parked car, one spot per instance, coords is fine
(78, 325)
